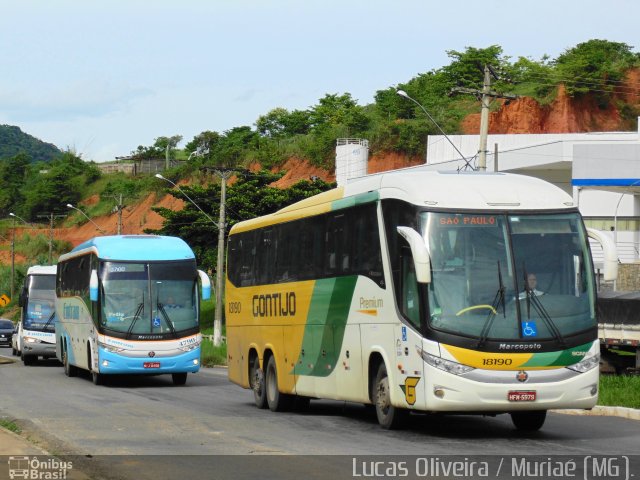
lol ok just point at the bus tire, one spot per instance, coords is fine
(179, 378)
(69, 370)
(256, 381)
(96, 378)
(389, 417)
(28, 359)
(278, 402)
(529, 421)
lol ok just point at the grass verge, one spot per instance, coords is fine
(211, 355)
(620, 391)
(9, 425)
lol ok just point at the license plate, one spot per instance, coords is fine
(518, 396)
(151, 364)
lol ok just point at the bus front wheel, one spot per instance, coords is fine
(256, 381)
(179, 378)
(277, 401)
(389, 417)
(529, 421)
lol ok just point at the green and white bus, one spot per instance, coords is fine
(414, 290)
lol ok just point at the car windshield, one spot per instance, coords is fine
(6, 325)
(508, 277)
(149, 298)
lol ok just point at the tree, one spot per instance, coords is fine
(595, 65)
(249, 197)
(333, 110)
(61, 184)
(204, 143)
(279, 123)
(13, 172)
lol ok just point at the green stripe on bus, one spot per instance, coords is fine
(360, 199)
(559, 359)
(324, 330)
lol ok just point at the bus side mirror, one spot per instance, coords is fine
(610, 251)
(419, 252)
(93, 286)
(206, 285)
(21, 299)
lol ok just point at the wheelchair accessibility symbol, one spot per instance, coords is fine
(529, 329)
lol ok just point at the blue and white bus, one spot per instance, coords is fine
(36, 331)
(129, 304)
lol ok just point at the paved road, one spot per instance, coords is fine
(180, 428)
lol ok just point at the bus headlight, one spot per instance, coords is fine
(446, 365)
(188, 348)
(586, 364)
(110, 348)
(32, 340)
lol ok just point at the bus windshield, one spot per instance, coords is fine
(149, 298)
(40, 312)
(509, 277)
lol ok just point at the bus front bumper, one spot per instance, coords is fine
(117, 363)
(447, 392)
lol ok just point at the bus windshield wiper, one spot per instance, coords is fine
(135, 318)
(551, 325)
(532, 299)
(497, 300)
(51, 317)
(167, 319)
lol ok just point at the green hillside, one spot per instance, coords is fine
(14, 141)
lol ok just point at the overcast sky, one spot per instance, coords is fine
(104, 76)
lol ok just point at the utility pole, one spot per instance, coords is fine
(217, 321)
(51, 216)
(119, 208)
(486, 97)
(13, 257)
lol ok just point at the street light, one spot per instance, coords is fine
(87, 217)
(404, 94)
(187, 196)
(217, 321)
(615, 215)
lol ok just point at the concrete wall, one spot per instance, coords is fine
(628, 277)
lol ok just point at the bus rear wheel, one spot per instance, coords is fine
(256, 381)
(389, 417)
(69, 370)
(529, 421)
(277, 401)
(179, 378)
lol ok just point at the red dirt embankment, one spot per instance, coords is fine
(564, 115)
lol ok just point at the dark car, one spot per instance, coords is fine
(6, 332)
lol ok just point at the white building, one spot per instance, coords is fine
(600, 170)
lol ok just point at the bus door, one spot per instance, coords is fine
(408, 368)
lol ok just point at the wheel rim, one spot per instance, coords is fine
(382, 397)
(258, 382)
